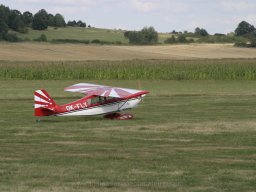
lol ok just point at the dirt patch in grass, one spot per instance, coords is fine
(79, 143)
(141, 172)
(67, 142)
(9, 159)
(212, 148)
(229, 160)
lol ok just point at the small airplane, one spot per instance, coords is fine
(99, 100)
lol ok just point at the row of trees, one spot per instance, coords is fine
(42, 20)
(243, 29)
(77, 24)
(244, 35)
(181, 38)
(148, 35)
(198, 32)
(17, 21)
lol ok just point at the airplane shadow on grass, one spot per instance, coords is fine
(76, 119)
(79, 119)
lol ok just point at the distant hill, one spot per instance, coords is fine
(16, 26)
(79, 33)
(76, 33)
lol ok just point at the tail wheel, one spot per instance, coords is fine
(119, 116)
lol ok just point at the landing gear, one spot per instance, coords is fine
(119, 116)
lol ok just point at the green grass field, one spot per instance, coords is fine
(79, 33)
(186, 136)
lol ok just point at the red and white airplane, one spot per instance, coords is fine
(99, 100)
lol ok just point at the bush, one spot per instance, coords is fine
(221, 39)
(118, 43)
(219, 34)
(148, 35)
(106, 42)
(70, 41)
(76, 24)
(3, 29)
(26, 39)
(42, 38)
(11, 38)
(23, 30)
(102, 42)
(191, 40)
(182, 39)
(96, 41)
(170, 40)
(253, 42)
(240, 44)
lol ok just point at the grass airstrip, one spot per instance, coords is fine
(186, 136)
(195, 131)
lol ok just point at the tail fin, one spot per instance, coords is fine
(44, 105)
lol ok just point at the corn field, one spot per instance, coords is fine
(225, 69)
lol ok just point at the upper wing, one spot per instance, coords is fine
(104, 91)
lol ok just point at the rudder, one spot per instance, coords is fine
(44, 105)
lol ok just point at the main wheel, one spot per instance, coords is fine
(119, 116)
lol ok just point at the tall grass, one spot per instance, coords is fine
(226, 69)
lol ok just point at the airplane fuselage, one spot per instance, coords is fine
(84, 107)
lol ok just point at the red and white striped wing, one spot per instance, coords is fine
(101, 90)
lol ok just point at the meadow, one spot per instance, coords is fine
(186, 136)
(80, 33)
(77, 33)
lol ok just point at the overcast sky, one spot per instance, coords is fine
(217, 16)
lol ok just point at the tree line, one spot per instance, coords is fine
(20, 22)
(243, 36)
(148, 35)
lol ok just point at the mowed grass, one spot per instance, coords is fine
(186, 136)
(69, 52)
